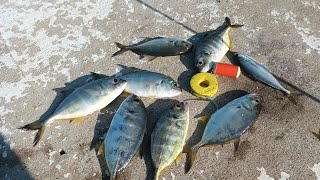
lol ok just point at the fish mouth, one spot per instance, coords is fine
(121, 80)
(256, 97)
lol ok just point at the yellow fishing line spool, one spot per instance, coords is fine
(204, 85)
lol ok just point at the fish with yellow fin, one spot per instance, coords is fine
(214, 46)
(228, 123)
(81, 102)
(168, 137)
(125, 135)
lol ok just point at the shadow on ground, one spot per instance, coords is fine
(11, 167)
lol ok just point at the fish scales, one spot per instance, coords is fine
(228, 123)
(125, 134)
(214, 46)
(258, 71)
(168, 137)
(81, 102)
(151, 84)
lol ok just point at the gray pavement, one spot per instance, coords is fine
(46, 44)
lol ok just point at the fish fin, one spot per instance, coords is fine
(229, 42)
(228, 23)
(156, 174)
(123, 48)
(204, 119)
(125, 94)
(66, 92)
(97, 76)
(178, 158)
(317, 135)
(78, 119)
(126, 70)
(151, 58)
(191, 156)
(101, 149)
(293, 97)
(37, 125)
(236, 143)
(152, 97)
(143, 146)
(141, 56)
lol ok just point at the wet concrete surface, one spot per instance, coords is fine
(46, 44)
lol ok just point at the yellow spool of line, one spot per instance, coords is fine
(204, 85)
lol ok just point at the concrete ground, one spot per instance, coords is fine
(46, 45)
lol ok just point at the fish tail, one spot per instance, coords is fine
(191, 156)
(317, 135)
(123, 48)
(37, 125)
(293, 97)
(228, 23)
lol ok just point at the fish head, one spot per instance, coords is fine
(252, 101)
(114, 84)
(169, 87)
(204, 63)
(180, 110)
(182, 46)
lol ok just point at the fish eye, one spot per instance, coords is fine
(115, 81)
(175, 85)
(257, 101)
(178, 106)
(206, 53)
(200, 63)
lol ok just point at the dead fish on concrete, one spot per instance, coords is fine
(168, 137)
(81, 102)
(125, 135)
(145, 83)
(156, 47)
(228, 123)
(214, 46)
(259, 72)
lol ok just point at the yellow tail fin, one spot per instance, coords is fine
(35, 126)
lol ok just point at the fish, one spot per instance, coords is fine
(125, 135)
(156, 47)
(168, 137)
(214, 46)
(81, 102)
(258, 71)
(145, 83)
(228, 123)
(261, 73)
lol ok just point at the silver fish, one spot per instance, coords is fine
(147, 83)
(156, 47)
(228, 123)
(168, 137)
(258, 71)
(214, 46)
(125, 135)
(81, 102)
